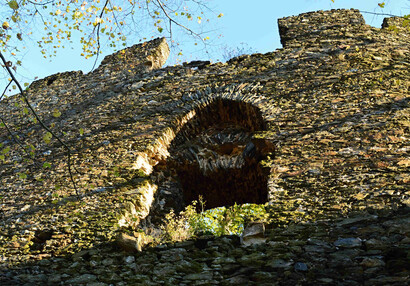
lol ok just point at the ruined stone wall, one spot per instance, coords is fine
(323, 121)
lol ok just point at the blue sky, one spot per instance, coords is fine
(251, 22)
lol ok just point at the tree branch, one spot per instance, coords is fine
(68, 151)
(161, 6)
(378, 14)
(98, 34)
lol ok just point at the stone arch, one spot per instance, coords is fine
(215, 154)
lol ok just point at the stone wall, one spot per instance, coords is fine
(330, 27)
(146, 56)
(326, 116)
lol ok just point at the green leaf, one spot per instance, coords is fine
(46, 165)
(22, 176)
(56, 113)
(47, 137)
(81, 131)
(13, 5)
(381, 5)
(5, 150)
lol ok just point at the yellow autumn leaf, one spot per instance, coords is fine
(5, 25)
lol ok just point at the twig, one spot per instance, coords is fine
(98, 35)
(378, 14)
(161, 6)
(5, 89)
(68, 151)
(40, 4)
(15, 139)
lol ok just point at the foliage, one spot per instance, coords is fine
(218, 221)
(95, 24)
(176, 227)
(90, 22)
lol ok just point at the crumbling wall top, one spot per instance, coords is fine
(308, 28)
(398, 23)
(55, 78)
(146, 56)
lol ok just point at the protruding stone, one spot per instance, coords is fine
(350, 242)
(254, 233)
(129, 243)
(83, 279)
(144, 57)
(300, 266)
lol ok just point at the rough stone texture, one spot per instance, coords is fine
(147, 56)
(253, 233)
(333, 131)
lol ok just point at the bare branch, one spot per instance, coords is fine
(161, 6)
(98, 34)
(40, 4)
(378, 14)
(5, 90)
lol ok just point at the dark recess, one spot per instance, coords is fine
(221, 131)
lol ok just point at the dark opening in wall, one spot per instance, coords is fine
(215, 156)
(51, 79)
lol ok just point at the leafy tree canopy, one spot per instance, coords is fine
(56, 24)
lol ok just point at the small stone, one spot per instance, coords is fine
(129, 259)
(348, 242)
(358, 219)
(240, 279)
(54, 279)
(280, 264)
(253, 259)
(374, 244)
(175, 254)
(325, 280)
(199, 276)
(300, 266)
(314, 248)
(137, 85)
(108, 262)
(189, 267)
(82, 279)
(315, 172)
(128, 243)
(261, 276)
(254, 233)
(223, 260)
(370, 262)
(164, 270)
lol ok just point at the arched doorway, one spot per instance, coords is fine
(215, 155)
